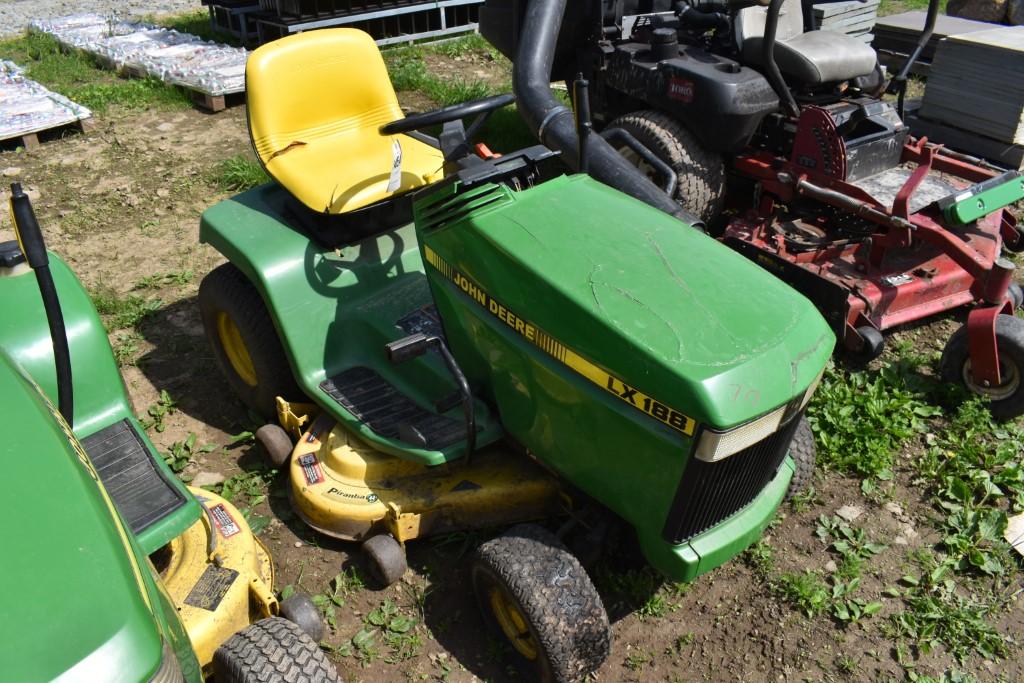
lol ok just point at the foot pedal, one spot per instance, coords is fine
(386, 411)
(130, 475)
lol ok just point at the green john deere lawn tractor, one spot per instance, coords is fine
(115, 571)
(444, 341)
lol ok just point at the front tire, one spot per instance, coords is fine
(804, 453)
(701, 188)
(244, 341)
(272, 649)
(533, 592)
(1007, 399)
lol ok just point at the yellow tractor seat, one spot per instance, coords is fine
(316, 102)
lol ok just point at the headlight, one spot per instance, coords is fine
(714, 446)
(169, 670)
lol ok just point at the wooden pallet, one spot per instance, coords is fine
(31, 140)
(203, 100)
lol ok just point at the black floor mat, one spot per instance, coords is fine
(141, 493)
(384, 409)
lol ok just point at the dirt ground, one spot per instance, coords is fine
(122, 205)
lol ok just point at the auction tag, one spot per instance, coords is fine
(396, 166)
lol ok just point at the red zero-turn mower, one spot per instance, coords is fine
(827, 189)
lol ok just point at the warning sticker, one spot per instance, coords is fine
(561, 353)
(311, 469)
(225, 522)
(396, 166)
(211, 588)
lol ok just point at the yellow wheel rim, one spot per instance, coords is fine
(513, 623)
(234, 348)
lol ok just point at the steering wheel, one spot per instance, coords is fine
(453, 112)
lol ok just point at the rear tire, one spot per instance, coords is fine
(272, 649)
(804, 453)
(1006, 400)
(244, 341)
(534, 593)
(701, 189)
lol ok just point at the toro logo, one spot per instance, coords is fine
(680, 89)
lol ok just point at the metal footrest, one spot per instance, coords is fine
(388, 412)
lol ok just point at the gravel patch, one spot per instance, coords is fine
(16, 14)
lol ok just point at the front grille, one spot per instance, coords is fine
(711, 492)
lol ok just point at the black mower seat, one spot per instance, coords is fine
(810, 58)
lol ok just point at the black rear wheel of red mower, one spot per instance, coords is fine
(701, 172)
(1007, 399)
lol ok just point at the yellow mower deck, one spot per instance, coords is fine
(219, 576)
(343, 488)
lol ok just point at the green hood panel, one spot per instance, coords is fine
(668, 310)
(75, 596)
(99, 392)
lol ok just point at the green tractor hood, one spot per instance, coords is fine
(611, 338)
(77, 600)
(626, 296)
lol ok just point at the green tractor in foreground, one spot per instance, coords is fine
(444, 341)
(116, 571)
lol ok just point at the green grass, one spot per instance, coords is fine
(238, 173)
(861, 419)
(78, 77)
(122, 312)
(888, 7)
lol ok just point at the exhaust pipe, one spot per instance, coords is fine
(554, 124)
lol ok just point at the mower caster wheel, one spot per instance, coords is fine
(1007, 399)
(276, 444)
(534, 593)
(873, 343)
(387, 558)
(272, 649)
(804, 452)
(1016, 293)
(300, 610)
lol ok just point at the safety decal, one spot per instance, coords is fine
(554, 348)
(211, 588)
(311, 469)
(225, 522)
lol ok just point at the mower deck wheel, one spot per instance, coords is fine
(387, 558)
(301, 611)
(804, 452)
(276, 445)
(701, 172)
(272, 649)
(244, 340)
(1007, 399)
(873, 343)
(533, 591)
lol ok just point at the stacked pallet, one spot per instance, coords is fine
(896, 36)
(209, 71)
(971, 85)
(853, 17)
(28, 109)
(388, 21)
